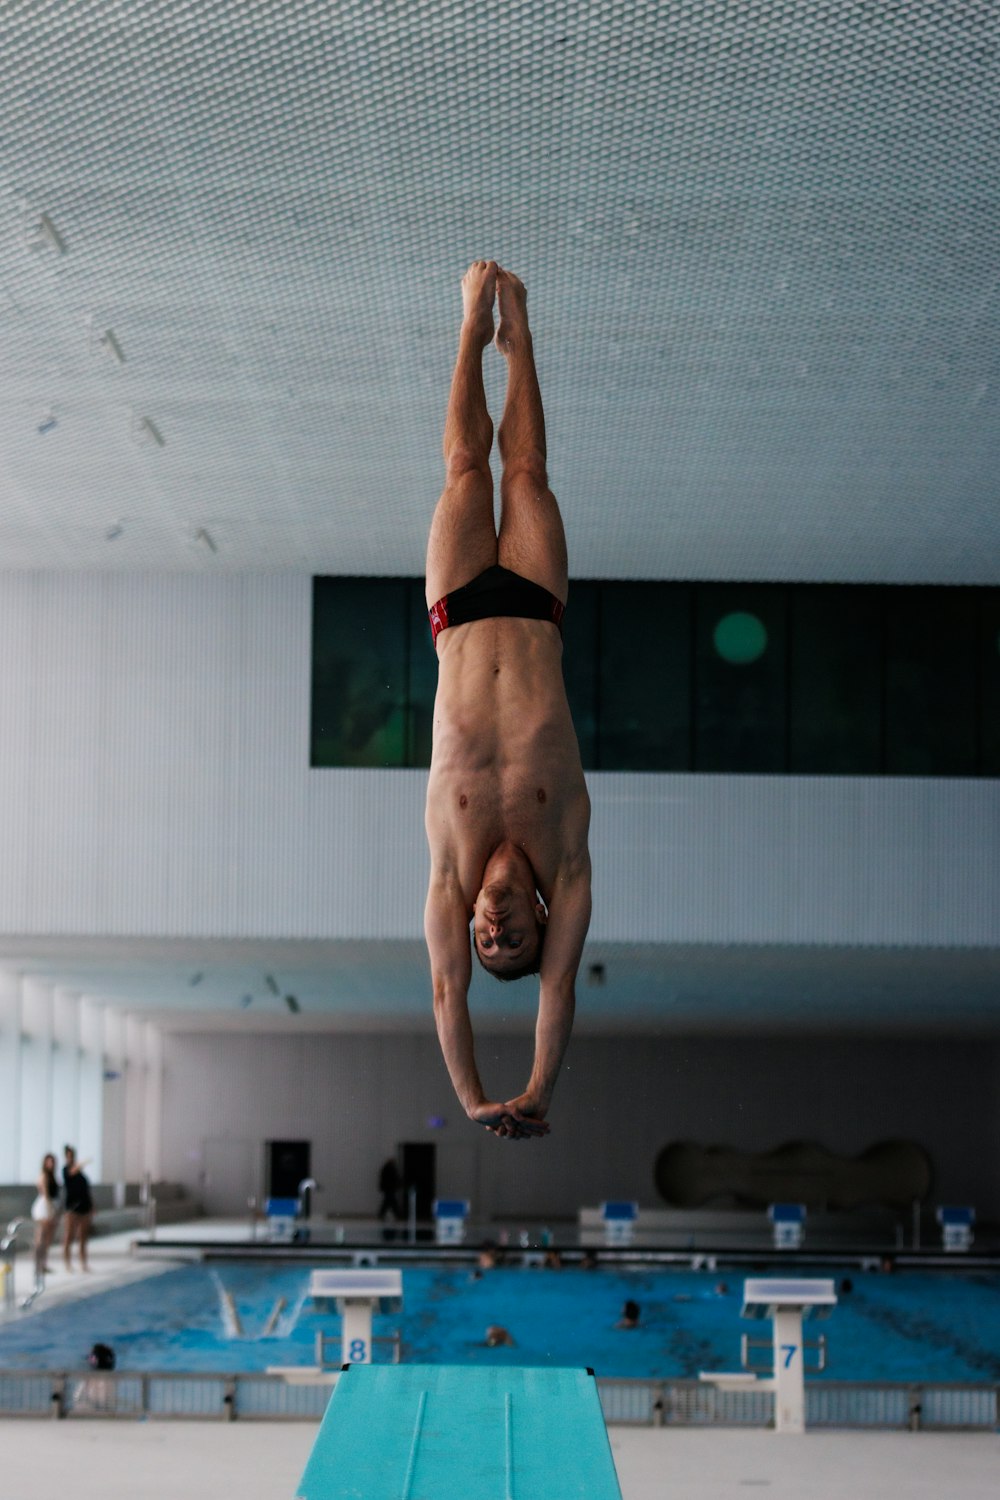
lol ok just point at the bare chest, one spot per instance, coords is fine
(471, 812)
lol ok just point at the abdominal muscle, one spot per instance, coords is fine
(501, 704)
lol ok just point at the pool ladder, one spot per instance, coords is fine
(8, 1258)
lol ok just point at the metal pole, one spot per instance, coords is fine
(411, 1199)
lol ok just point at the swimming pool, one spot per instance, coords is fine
(907, 1326)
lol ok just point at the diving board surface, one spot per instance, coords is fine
(450, 1432)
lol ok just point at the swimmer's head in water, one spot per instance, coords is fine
(508, 929)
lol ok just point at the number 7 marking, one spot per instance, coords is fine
(789, 1353)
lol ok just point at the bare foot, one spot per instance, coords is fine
(479, 286)
(513, 303)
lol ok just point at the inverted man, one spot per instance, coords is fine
(507, 807)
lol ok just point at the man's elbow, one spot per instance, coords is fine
(448, 996)
(560, 987)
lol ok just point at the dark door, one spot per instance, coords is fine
(287, 1166)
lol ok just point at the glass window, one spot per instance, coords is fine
(360, 628)
(740, 678)
(644, 694)
(811, 679)
(930, 681)
(989, 683)
(580, 664)
(422, 678)
(835, 681)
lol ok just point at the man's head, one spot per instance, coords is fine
(508, 927)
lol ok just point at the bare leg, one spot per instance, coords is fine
(463, 538)
(85, 1222)
(532, 541)
(69, 1235)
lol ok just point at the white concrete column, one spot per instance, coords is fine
(10, 1076)
(113, 1097)
(135, 1099)
(36, 1077)
(92, 1086)
(65, 1111)
(153, 1125)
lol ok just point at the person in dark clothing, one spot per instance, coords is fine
(389, 1184)
(630, 1315)
(79, 1203)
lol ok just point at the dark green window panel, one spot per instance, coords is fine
(812, 679)
(835, 681)
(644, 687)
(740, 690)
(422, 679)
(360, 655)
(931, 650)
(581, 626)
(989, 677)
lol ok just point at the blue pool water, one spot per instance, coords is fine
(908, 1326)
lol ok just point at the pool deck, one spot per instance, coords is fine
(264, 1461)
(112, 1264)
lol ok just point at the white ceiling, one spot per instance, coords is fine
(760, 241)
(646, 987)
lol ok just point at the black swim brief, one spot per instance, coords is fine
(497, 591)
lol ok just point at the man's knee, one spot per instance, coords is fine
(467, 466)
(525, 476)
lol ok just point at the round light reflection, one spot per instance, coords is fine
(740, 638)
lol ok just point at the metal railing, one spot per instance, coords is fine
(161, 1394)
(221, 1397)
(916, 1407)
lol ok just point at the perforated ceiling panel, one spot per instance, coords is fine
(760, 241)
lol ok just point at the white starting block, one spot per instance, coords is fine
(789, 1222)
(357, 1294)
(786, 1303)
(281, 1216)
(956, 1227)
(619, 1222)
(450, 1215)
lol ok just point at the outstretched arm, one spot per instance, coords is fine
(446, 927)
(569, 919)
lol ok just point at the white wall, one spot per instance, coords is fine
(154, 780)
(618, 1102)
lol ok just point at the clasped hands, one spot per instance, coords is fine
(520, 1119)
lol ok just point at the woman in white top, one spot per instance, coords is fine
(45, 1212)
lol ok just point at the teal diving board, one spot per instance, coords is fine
(450, 1432)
